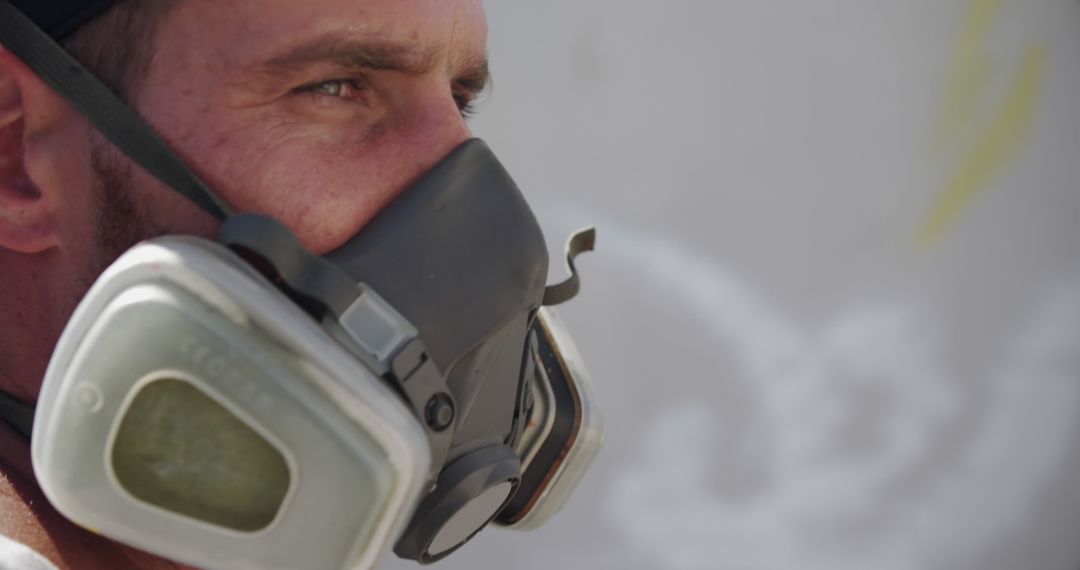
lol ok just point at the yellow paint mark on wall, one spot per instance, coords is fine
(970, 71)
(1002, 139)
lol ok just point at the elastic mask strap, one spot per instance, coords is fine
(582, 241)
(118, 122)
(19, 415)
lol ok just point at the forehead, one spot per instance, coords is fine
(243, 32)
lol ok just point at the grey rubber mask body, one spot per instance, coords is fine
(462, 257)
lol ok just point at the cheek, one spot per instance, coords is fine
(324, 187)
(325, 181)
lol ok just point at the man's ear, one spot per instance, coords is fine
(27, 222)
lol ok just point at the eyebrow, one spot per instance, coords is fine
(347, 51)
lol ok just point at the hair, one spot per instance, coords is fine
(118, 45)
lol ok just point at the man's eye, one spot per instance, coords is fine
(336, 88)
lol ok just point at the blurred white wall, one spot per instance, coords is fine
(834, 315)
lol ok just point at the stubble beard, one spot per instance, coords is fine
(121, 222)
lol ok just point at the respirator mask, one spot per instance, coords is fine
(247, 404)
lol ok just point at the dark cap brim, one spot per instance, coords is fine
(59, 18)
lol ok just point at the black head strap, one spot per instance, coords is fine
(17, 414)
(118, 122)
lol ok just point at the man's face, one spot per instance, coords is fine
(317, 113)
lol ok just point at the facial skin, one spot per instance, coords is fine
(288, 125)
(316, 112)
